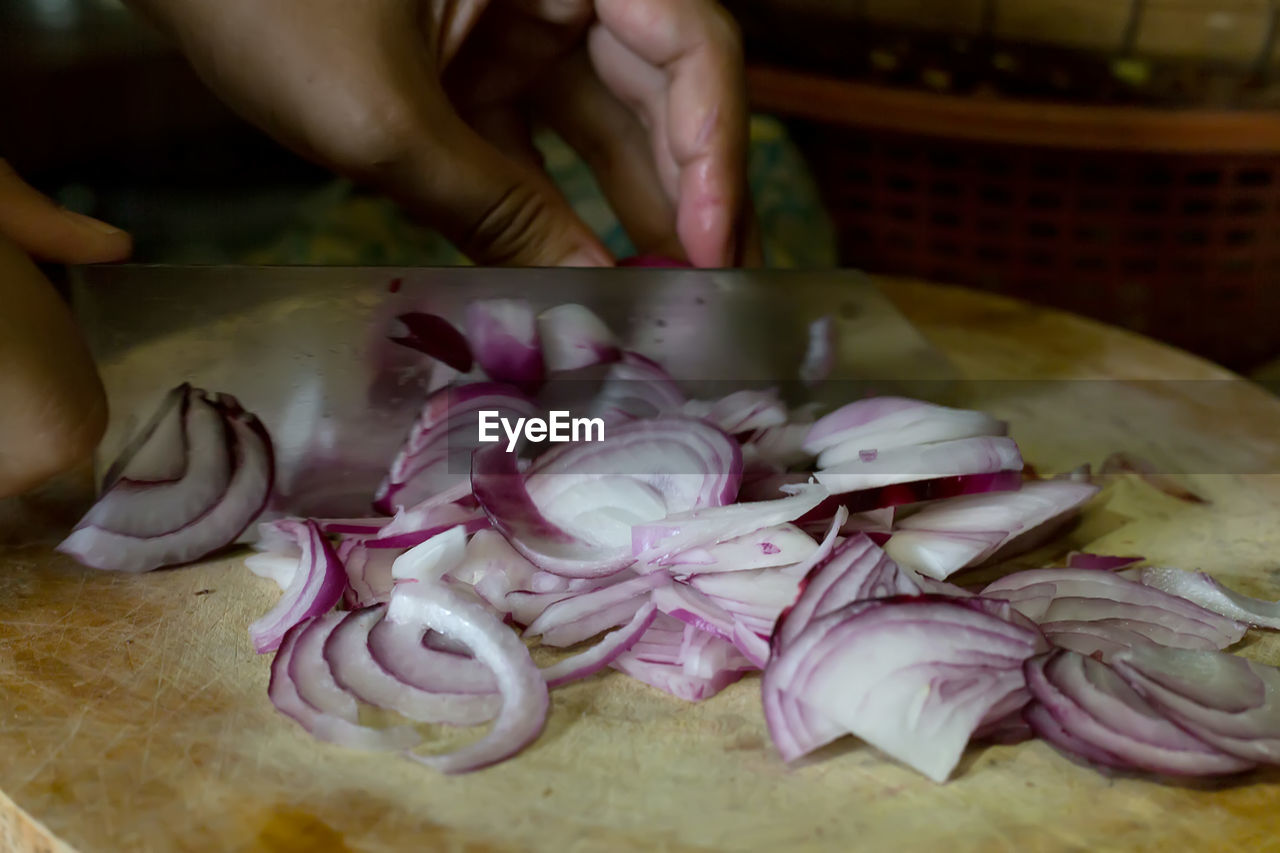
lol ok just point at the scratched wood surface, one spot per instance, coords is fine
(134, 717)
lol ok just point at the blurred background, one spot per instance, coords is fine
(1117, 158)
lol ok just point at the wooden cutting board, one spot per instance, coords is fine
(134, 715)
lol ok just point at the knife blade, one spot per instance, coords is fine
(307, 348)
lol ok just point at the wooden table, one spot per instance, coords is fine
(134, 716)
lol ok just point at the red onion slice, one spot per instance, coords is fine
(1051, 595)
(332, 717)
(636, 387)
(741, 412)
(1094, 705)
(660, 543)
(1201, 589)
(641, 471)
(403, 653)
(603, 653)
(879, 468)
(854, 570)
(943, 538)
(368, 570)
(913, 676)
(580, 617)
(573, 337)
(252, 472)
(671, 677)
(435, 336)
(316, 588)
(767, 548)
(524, 692)
(890, 423)
(146, 508)
(504, 338)
(357, 671)
(1225, 700)
(158, 452)
(436, 456)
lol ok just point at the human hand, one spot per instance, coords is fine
(52, 406)
(431, 103)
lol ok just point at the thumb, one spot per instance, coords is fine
(495, 209)
(52, 233)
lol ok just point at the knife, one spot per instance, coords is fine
(308, 348)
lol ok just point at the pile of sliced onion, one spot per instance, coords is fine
(700, 541)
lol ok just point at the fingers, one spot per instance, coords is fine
(496, 209)
(612, 141)
(52, 233)
(52, 406)
(696, 44)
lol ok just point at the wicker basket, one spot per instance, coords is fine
(1122, 198)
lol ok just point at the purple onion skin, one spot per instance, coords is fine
(437, 337)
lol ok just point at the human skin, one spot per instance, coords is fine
(52, 407)
(430, 102)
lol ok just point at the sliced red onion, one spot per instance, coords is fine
(672, 679)
(1127, 463)
(820, 356)
(741, 412)
(572, 513)
(573, 337)
(196, 531)
(435, 336)
(1201, 589)
(693, 608)
(663, 542)
(963, 457)
(767, 548)
(580, 617)
(1225, 700)
(1052, 595)
(142, 507)
(913, 676)
(943, 538)
(1106, 637)
(854, 570)
(504, 338)
(753, 599)
(494, 569)
(358, 672)
(1094, 705)
(753, 646)
(1100, 562)
(279, 568)
(636, 387)
(315, 589)
(285, 695)
(403, 652)
(430, 605)
(1044, 725)
(706, 656)
(781, 445)
(436, 455)
(158, 452)
(892, 423)
(368, 570)
(603, 653)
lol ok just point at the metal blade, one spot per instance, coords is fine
(307, 349)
